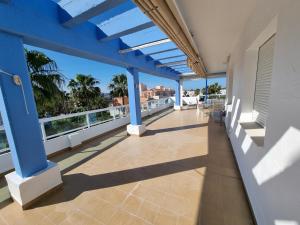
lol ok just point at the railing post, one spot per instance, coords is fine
(113, 113)
(178, 96)
(43, 131)
(87, 120)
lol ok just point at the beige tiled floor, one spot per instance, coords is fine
(181, 172)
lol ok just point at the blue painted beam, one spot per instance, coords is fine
(181, 69)
(134, 96)
(18, 109)
(114, 12)
(179, 66)
(38, 25)
(5, 1)
(81, 11)
(129, 31)
(146, 45)
(163, 51)
(177, 93)
(170, 57)
(181, 62)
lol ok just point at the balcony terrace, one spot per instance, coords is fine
(181, 171)
(181, 168)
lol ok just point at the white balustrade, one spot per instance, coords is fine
(53, 127)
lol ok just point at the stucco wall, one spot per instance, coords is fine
(271, 172)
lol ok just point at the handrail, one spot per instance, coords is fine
(114, 113)
(65, 116)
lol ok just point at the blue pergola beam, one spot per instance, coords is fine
(173, 66)
(38, 25)
(177, 94)
(129, 31)
(163, 51)
(146, 45)
(114, 12)
(183, 69)
(81, 11)
(179, 66)
(181, 62)
(170, 57)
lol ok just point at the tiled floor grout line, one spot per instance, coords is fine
(170, 194)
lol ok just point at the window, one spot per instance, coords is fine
(263, 81)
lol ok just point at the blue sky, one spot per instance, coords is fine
(69, 66)
(114, 20)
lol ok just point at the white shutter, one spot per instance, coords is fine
(263, 81)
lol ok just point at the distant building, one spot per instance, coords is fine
(117, 101)
(223, 91)
(190, 93)
(154, 93)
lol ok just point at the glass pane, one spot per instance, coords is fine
(64, 125)
(3, 141)
(101, 117)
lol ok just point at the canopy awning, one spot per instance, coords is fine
(161, 14)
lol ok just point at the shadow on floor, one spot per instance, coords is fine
(164, 130)
(75, 184)
(223, 198)
(70, 159)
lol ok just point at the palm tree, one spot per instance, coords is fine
(85, 93)
(119, 87)
(213, 89)
(46, 81)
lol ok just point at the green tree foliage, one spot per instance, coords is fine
(197, 92)
(85, 94)
(118, 86)
(213, 89)
(47, 83)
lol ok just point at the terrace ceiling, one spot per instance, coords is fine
(110, 31)
(213, 26)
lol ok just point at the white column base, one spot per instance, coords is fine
(177, 107)
(26, 190)
(136, 129)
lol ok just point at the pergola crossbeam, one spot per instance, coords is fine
(129, 31)
(83, 42)
(177, 66)
(114, 13)
(146, 45)
(80, 13)
(163, 51)
(170, 57)
(181, 62)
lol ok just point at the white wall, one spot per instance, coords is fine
(270, 173)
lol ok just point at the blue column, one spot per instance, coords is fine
(134, 96)
(18, 109)
(206, 90)
(177, 93)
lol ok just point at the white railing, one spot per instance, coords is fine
(53, 127)
(59, 125)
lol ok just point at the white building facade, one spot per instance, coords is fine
(269, 167)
